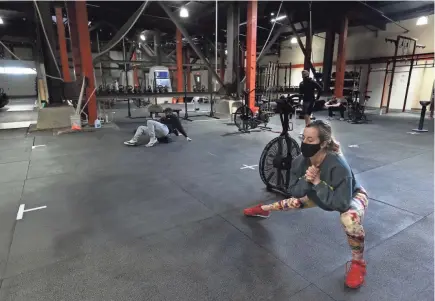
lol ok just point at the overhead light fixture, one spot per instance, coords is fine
(294, 40)
(1, 20)
(278, 18)
(184, 13)
(89, 23)
(142, 37)
(422, 21)
(272, 14)
(226, 51)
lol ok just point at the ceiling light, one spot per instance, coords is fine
(422, 21)
(1, 20)
(278, 18)
(294, 40)
(226, 51)
(89, 23)
(142, 37)
(272, 14)
(184, 13)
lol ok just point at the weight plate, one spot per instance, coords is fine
(243, 117)
(275, 162)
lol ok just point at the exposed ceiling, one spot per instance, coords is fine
(107, 17)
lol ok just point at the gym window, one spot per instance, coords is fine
(17, 70)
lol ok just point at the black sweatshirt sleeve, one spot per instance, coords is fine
(338, 196)
(298, 187)
(177, 125)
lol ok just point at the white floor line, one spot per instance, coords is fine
(36, 146)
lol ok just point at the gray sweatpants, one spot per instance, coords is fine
(153, 128)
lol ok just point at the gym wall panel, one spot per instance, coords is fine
(18, 85)
(364, 44)
(375, 85)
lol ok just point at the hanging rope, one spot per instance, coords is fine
(46, 38)
(271, 30)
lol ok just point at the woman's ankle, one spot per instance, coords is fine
(265, 207)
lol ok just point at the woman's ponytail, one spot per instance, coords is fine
(333, 146)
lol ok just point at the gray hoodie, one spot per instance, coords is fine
(336, 189)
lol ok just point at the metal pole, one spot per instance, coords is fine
(216, 46)
(383, 87)
(367, 80)
(126, 76)
(189, 39)
(392, 75)
(409, 76)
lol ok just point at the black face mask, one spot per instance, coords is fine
(309, 150)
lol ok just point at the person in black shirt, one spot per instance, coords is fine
(159, 130)
(307, 88)
(336, 104)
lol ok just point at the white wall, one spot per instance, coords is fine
(364, 44)
(18, 84)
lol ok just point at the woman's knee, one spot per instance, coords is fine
(350, 218)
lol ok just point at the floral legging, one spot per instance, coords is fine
(351, 219)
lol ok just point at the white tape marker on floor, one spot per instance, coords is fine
(354, 145)
(248, 166)
(36, 146)
(21, 211)
(413, 133)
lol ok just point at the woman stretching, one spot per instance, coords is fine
(321, 177)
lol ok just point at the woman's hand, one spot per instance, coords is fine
(313, 175)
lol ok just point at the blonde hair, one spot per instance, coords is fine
(325, 134)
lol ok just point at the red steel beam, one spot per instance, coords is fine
(86, 57)
(179, 55)
(341, 59)
(251, 49)
(62, 44)
(75, 44)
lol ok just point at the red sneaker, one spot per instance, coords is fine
(355, 273)
(256, 211)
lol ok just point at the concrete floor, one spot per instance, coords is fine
(165, 223)
(19, 113)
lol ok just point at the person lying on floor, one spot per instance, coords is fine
(159, 130)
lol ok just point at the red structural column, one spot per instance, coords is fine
(341, 58)
(179, 55)
(74, 38)
(86, 57)
(251, 50)
(62, 44)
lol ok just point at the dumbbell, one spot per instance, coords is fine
(137, 90)
(149, 90)
(165, 89)
(203, 89)
(159, 89)
(130, 89)
(121, 89)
